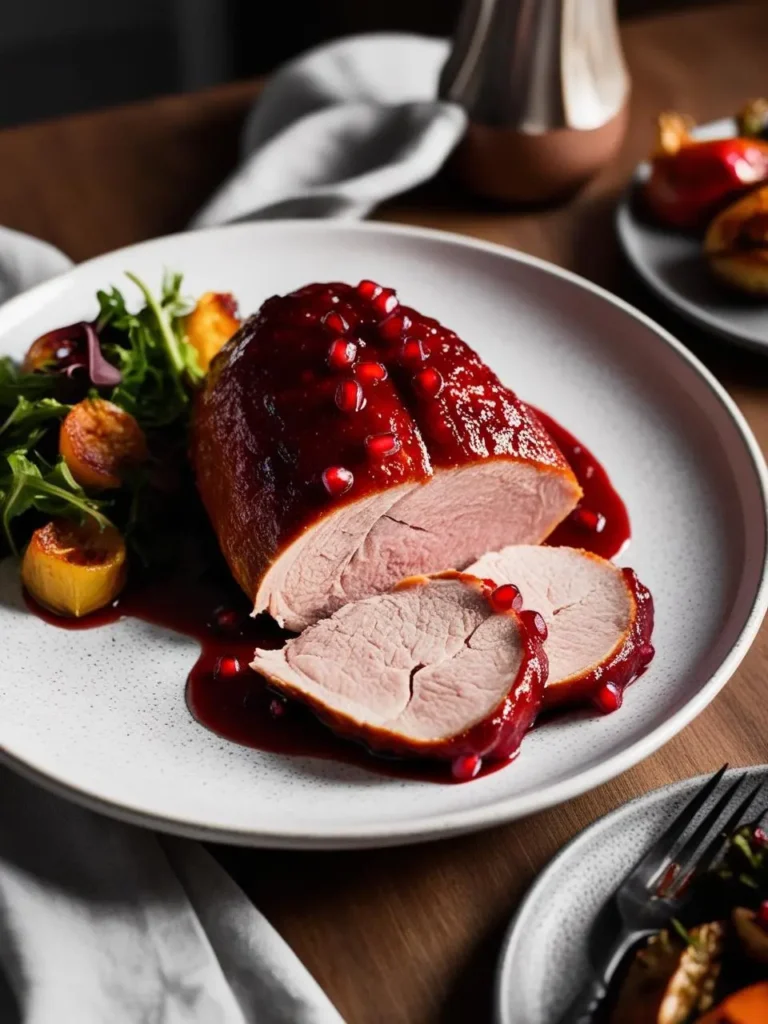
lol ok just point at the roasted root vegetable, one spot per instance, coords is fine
(748, 1006)
(692, 180)
(100, 442)
(752, 119)
(668, 981)
(211, 324)
(74, 570)
(56, 351)
(736, 243)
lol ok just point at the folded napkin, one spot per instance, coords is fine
(101, 922)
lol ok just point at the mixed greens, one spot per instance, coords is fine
(93, 433)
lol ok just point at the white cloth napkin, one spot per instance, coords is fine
(103, 923)
(341, 129)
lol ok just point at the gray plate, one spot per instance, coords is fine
(672, 266)
(543, 961)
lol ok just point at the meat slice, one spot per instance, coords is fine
(342, 442)
(599, 619)
(431, 669)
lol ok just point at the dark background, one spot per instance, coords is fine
(61, 56)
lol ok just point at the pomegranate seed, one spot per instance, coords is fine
(646, 653)
(382, 445)
(393, 328)
(385, 302)
(762, 915)
(414, 352)
(335, 322)
(369, 289)
(349, 396)
(534, 621)
(667, 879)
(489, 584)
(428, 383)
(226, 668)
(337, 480)
(277, 707)
(341, 354)
(505, 597)
(371, 373)
(227, 619)
(465, 768)
(608, 698)
(589, 520)
(760, 836)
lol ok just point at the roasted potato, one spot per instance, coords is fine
(736, 244)
(99, 442)
(74, 570)
(211, 324)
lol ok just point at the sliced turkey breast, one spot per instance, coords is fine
(599, 619)
(433, 669)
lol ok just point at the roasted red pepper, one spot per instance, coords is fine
(691, 181)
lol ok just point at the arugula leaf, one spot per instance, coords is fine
(14, 383)
(28, 421)
(23, 486)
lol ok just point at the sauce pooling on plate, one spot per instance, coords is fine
(600, 522)
(228, 698)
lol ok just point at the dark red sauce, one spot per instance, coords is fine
(239, 705)
(600, 523)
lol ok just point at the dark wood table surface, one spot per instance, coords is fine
(412, 935)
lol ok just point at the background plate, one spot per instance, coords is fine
(553, 922)
(100, 714)
(672, 265)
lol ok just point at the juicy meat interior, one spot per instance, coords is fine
(417, 671)
(599, 617)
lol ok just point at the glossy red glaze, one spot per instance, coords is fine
(466, 768)
(606, 509)
(629, 660)
(242, 708)
(266, 426)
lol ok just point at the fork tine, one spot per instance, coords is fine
(705, 830)
(716, 844)
(650, 863)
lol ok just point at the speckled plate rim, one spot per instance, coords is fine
(626, 228)
(576, 847)
(439, 825)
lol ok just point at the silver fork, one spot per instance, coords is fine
(655, 890)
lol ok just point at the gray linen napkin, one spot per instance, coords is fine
(101, 922)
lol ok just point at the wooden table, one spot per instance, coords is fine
(412, 935)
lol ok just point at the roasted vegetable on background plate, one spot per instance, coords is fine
(691, 180)
(736, 244)
(93, 435)
(711, 967)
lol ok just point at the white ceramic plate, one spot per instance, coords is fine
(100, 714)
(672, 265)
(544, 960)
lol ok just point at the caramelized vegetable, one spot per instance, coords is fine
(668, 981)
(211, 324)
(99, 442)
(74, 570)
(736, 243)
(691, 181)
(55, 351)
(749, 1006)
